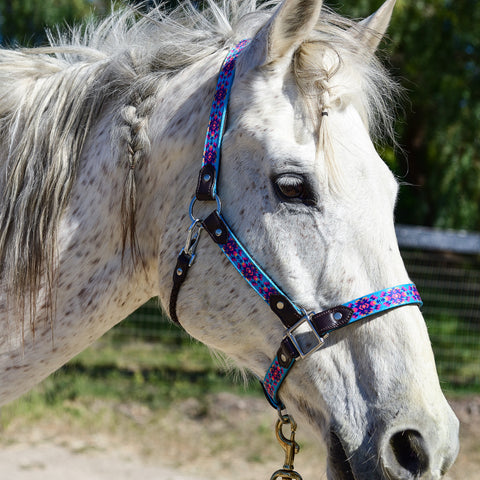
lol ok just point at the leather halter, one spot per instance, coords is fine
(305, 331)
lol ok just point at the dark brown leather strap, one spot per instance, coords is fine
(286, 353)
(216, 228)
(284, 309)
(179, 276)
(331, 319)
(206, 183)
(322, 322)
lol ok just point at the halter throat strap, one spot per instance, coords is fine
(298, 323)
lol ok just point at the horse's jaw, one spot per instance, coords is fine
(339, 467)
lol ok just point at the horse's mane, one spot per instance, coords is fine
(50, 98)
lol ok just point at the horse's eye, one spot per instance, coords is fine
(290, 186)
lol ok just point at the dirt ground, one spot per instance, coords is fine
(227, 437)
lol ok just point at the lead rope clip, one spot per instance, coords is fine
(290, 446)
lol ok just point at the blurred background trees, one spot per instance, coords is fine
(23, 22)
(433, 50)
(436, 48)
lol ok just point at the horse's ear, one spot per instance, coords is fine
(290, 25)
(372, 29)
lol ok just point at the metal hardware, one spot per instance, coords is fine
(193, 236)
(193, 218)
(289, 445)
(290, 333)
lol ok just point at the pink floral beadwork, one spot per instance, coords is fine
(217, 113)
(274, 378)
(247, 268)
(384, 300)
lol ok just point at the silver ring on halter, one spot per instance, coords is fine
(193, 218)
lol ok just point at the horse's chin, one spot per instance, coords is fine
(339, 467)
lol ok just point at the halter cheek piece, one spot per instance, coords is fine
(305, 332)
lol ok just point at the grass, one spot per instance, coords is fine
(170, 403)
(456, 344)
(155, 375)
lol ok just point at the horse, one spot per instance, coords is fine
(101, 136)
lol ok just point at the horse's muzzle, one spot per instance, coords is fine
(402, 455)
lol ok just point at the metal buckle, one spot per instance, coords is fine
(290, 333)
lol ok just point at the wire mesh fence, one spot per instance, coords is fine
(445, 265)
(446, 268)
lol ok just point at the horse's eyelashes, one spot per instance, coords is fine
(291, 187)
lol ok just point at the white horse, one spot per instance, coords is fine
(101, 137)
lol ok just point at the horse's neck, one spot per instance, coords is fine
(92, 291)
(178, 128)
(96, 286)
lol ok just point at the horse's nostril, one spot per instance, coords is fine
(409, 449)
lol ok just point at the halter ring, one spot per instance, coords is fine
(193, 218)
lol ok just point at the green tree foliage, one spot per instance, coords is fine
(434, 49)
(438, 45)
(24, 21)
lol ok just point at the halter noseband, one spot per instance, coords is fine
(319, 325)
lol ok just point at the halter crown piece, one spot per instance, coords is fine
(297, 342)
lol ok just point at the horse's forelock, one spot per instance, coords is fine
(374, 91)
(332, 68)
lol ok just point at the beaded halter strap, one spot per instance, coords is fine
(305, 331)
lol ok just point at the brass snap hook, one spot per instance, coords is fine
(289, 445)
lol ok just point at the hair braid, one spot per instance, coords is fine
(136, 144)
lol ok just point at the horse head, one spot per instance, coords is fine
(303, 187)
